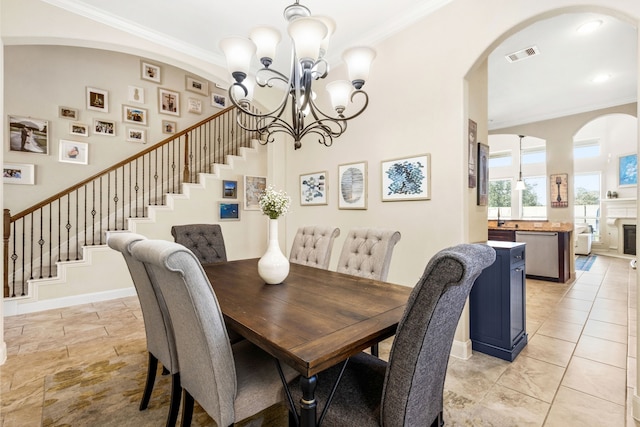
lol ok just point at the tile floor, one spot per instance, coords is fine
(577, 370)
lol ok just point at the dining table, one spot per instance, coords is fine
(313, 320)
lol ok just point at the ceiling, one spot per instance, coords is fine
(555, 83)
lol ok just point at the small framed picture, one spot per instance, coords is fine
(168, 102)
(228, 211)
(229, 189)
(628, 170)
(68, 113)
(15, 173)
(196, 85)
(28, 134)
(137, 135)
(168, 126)
(406, 178)
(74, 152)
(352, 193)
(254, 186)
(559, 186)
(136, 94)
(79, 129)
(104, 127)
(149, 71)
(313, 188)
(134, 115)
(218, 100)
(194, 106)
(483, 175)
(97, 99)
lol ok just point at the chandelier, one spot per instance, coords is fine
(310, 39)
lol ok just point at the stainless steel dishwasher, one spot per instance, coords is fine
(542, 253)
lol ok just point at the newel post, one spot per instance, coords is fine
(5, 253)
(186, 174)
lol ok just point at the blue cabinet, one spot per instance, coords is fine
(497, 304)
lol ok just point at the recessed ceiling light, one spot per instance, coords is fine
(601, 78)
(589, 27)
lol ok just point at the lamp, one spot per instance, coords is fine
(520, 183)
(310, 38)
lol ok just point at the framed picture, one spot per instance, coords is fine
(134, 115)
(559, 186)
(313, 188)
(193, 84)
(79, 129)
(407, 178)
(149, 71)
(168, 102)
(68, 113)
(219, 101)
(352, 178)
(228, 211)
(472, 136)
(229, 189)
(136, 94)
(137, 135)
(74, 152)
(194, 106)
(97, 99)
(28, 135)
(483, 174)
(628, 170)
(104, 127)
(254, 186)
(168, 126)
(14, 173)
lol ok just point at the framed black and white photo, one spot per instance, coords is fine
(313, 188)
(352, 191)
(406, 178)
(254, 186)
(472, 135)
(483, 174)
(68, 113)
(194, 105)
(136, 94)
(18, 173)
(73, 152)
(137, 135)
(28, 134)
(149, 71)
(104, 127)
(79, 129)
(168, 102)
(169, 126)
(228, 211)
(196, 85)
(97, 99)
(134, 115)
(229, 189)
(218, 100)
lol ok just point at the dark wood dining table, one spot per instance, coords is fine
(314, 320)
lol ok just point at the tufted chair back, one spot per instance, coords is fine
(204, 240)
(367, 252)
(312, 245)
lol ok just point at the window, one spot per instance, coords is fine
(499, 198)
(534, 197)
(500, 159)
(586, 148)
(586, 203)
(534, 155)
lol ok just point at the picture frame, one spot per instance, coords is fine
(78, 129)
(137, 135)
(228, 211)
(472, 135)
(229, 189)
(150, 72)
(134, 115)
(352, 191)
(169, 126)
(254, 186)
(194, 105)
(104, 127)
(97, 99)
(73, 152)
(28, 134)
(313, 188)
(68, 113)
(483, 175)
(217, 100)
(18, 173)
(406, 178)
(136, 94)
(559, 188)
(193, 84)
(628, 170)
(168, 102)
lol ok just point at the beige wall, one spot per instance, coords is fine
(3, 345)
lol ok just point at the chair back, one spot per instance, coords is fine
(157, 325)
(312, 245)
(204, 240)
(207, 369)
(414, 381)
(366, 252)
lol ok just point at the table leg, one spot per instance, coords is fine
(308, 401)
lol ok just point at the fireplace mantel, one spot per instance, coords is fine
(619, 212)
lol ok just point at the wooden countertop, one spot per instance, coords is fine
(532, 226)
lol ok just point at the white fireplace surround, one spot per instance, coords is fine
(620, 212)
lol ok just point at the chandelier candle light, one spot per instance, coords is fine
(273, 267)
(310, 36)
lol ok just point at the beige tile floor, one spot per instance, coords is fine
(577, 370)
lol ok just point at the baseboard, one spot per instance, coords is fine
(461, 349)
(635, 405)
(3, 352)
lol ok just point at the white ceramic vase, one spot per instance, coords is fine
(273, 267)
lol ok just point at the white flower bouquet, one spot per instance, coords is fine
(274, 203)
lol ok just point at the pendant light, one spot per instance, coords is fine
(520, 183)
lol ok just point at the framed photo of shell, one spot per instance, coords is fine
(352, 191)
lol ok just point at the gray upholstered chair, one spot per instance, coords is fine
(204, 240)
(312, 245)
(408, 390)
(229, 382)
(160, 340)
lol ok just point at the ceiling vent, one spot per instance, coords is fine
(523, 54)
